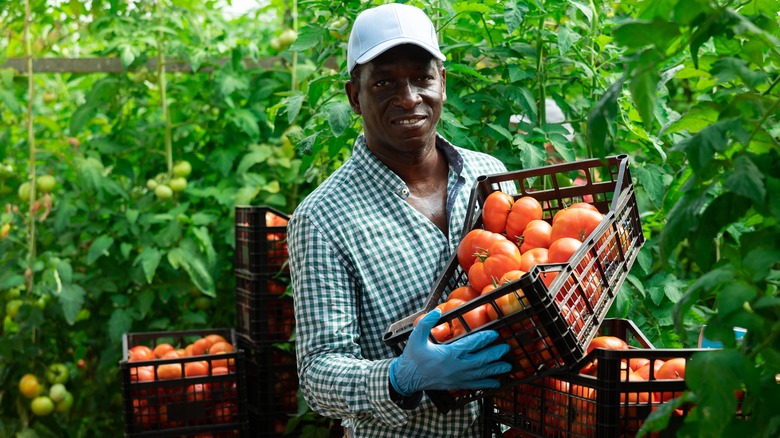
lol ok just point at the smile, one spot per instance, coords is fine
(410, 121)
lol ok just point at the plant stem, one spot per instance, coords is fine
(164, 103)
(542, 116)
(294, 70)
(31, 145)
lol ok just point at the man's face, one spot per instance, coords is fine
(400, 95)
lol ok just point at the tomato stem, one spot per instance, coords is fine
(31, 145)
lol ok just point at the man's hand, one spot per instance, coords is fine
(467, 363)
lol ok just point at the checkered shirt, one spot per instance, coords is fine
(360, 259)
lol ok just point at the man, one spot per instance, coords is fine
(367, 245)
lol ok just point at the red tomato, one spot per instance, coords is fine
(607, 343)
(140, 353)
(644, 371)
(508, 304)
(474, 318)
(510, 276)
(536, 235)
(584, 205)
(495, 211)
(524, 210)
(577, 223)
(490, 265)
(465, 293)
(673, 369)
(536, 256)
(562, 249)
(475, 241)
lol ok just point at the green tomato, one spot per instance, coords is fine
(46, 183)
(25, 191)
(49, 97)
(57, 392)
(12, 308)
(42, 406)
(163, 192)
(287, 38)
(178, 184)
(182, 168)
(57, 373)
(6, 171)
(65, 404)
(151, 184)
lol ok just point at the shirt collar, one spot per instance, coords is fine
(365, 159)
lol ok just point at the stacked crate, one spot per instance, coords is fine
(182, 396)
(264, 318)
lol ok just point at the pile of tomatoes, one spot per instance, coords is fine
(553, 405)
(514, 239)
(201, 374)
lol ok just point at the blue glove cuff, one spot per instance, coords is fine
(393, 381)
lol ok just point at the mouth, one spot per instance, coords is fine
(409, 121)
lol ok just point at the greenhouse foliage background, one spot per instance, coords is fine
(687, 88)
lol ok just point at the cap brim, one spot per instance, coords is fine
(387, 45)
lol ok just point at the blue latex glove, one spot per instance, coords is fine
(463, 364)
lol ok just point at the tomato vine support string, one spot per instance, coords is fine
(28, 274)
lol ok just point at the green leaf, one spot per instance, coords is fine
(728, 69)
(308, 37)
(648, 176)
(637, 34)
(99, 247)
(683, 218)
(339, 115)
(65, 271)
(228, 82)
(246, 121)
(72, 299)
(584, 8)
(759, 262)
(702, 288)
(721, 212)
(746, 180)
(293, 106)
(468, 70)
(119, 323)
(202, 233)
(514, 13)
(733, 296)
(566, 39)
(150, 260)
(728, 368)
(10, 101)
(257, 155)
(602, 117)
(531, 155)
(194, 266)
(701, 147)
(644, 86)
(501, 130)
(81, 116)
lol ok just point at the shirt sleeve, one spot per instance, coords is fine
(334, 378)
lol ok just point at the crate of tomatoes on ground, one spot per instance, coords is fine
(541, 260)
(609, 394)
(183, 383)
(261, 240)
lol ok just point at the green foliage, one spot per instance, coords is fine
(688, 89)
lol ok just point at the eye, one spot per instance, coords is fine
(382, 83)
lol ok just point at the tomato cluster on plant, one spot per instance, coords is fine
(47, 395)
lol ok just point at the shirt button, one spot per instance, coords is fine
(405, 191)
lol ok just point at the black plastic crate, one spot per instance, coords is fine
(261, 240)
(609, 404)
(272, 379)
(557, 308)
(167, 397)
(264, 311)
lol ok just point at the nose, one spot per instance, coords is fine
(406, 95)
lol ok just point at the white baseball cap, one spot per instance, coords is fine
(381, 28)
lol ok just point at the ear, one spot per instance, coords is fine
(352, 94)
